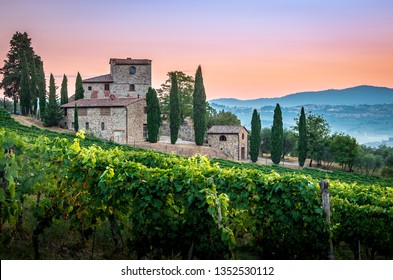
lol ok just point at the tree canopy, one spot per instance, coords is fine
(255, 139)
(276, 139)
(174, 112)
(20, 46)
(185, 85)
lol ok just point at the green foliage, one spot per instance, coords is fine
(344, 149)
(277, 136)
(20, 45)
(174, 114)
(53, 113)
(25, 88)
(289, 142)
(185, 85)
(222, 118)
(153, 115)
(265, 140)
(302, 142)
(79, 87)
(199, 108)
(387, 172)
(41, 85)
(64, 91)
(34, 86)
(162, 206)
(76, 119)
(255, 139)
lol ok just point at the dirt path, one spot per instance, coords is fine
(29, 121)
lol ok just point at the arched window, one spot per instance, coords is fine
(223, 138)
(132, 70)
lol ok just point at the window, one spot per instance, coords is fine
(132, 87)
(145, 110)
(105, 111)
(89, 88)
(242, 135)
(87, 126)
(65, 111)
(145, 131)
(106, 87)
(223, 138)
(132, 70)
(102, 126)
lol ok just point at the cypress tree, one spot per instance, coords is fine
(153, 115)
(174, 109)
(277, 135)
(25, 88)
(64, 91)
(34, 87)
(255, 139)
(79, 87)
(53, 114)
(302, 143)
(199, 108)
(76, 119)
(41, 89)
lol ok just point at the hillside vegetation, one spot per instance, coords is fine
(70, 198)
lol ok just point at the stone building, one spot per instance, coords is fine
(114, 105)
(128, 78)
(232, 140)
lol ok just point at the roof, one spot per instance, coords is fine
(99, 79)
(130, 61)
(226, 129)
(101, 102)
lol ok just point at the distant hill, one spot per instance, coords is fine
(360, 95)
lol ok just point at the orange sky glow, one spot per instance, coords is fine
(247, 49)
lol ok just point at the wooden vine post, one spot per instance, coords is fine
(326, 208)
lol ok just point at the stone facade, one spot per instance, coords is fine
(114, 105)
(232, 140)
(123, 121)
(128, 78)
(186, 130)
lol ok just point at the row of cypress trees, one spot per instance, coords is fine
(277, 135)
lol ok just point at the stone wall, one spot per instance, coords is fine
(137, 119)
(186, 130)
(101, 126)
(229, 147)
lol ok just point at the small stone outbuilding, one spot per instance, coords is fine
(232, 140)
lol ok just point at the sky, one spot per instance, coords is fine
(247, 49)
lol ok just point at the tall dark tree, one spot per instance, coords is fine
(34, 86)
(25, 88)
(199, 108)
(79, 87)
(277, 135)
(41, 85)
(255, 139)
(20, 45)
(64, 91)
(76, 119)
(302, 142)
(153, 115)
(53, 113)
(174, 113)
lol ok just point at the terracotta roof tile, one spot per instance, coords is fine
(101, 102)
(225, 129)
(99, 79)
(130, 61)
